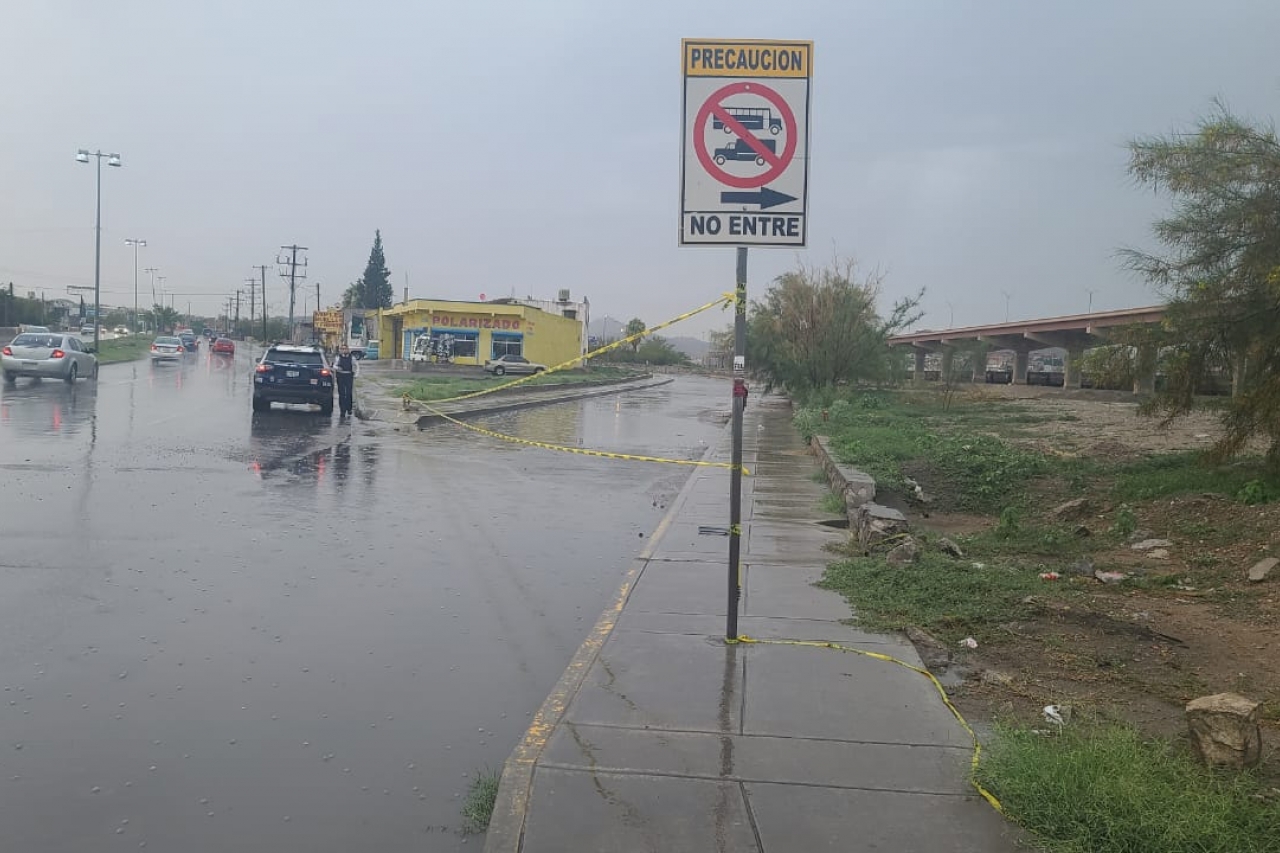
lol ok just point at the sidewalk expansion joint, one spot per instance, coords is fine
(744, 780)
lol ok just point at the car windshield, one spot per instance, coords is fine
(47, 341)
(307, 358)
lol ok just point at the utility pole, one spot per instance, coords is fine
(253, 291)
(237, 323)
(317, 296)
(263, 268)
(292, 262)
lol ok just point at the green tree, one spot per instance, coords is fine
(164, 318)
(634, 327)
(373, 289)
(1220, 269)
(818, 327)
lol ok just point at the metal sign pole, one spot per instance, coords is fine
(735, 474)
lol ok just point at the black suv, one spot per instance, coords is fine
(293, 373)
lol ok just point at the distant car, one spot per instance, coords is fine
(121, 330)
(167, 348)
(210, 334)
(48, 355)
(293, 373)
(86, 331)
(223, 346)
(189, 340)
(505, 364)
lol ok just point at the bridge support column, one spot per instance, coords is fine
(948, 363)
(980, 365)
(1144, 376)
(1020, 363)
(1071, 368)
(917, 376)
(1239, 370)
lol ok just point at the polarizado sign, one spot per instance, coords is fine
(744, 168)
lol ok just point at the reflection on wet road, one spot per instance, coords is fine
(286, 632)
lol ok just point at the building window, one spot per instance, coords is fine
(507, 344)
(465, 344)
(571, 313)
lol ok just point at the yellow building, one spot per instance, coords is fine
(480, 330)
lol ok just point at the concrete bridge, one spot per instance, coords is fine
(1075, 334)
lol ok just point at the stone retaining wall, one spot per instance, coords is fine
(870, 522)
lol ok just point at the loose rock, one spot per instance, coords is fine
(1158, 553)
(1110, 577)
(996, 679)
(1082, 566)
(1262, 568)
(904, 553)
(946, 546)
(1224, 730)
(1071, 510)
(1148, 544)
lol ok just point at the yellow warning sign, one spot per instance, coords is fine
(747, 58)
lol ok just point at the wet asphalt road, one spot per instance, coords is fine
(286, 632)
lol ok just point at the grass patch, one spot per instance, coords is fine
(886, 434)
(1181, 473)
(1110, 790)
(131, 348)
(477, 808)
(443, 386)
(942, 595)
(832, 504)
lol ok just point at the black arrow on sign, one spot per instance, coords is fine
(766, 198)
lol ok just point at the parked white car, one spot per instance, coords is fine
(48, 355)
(505, 364)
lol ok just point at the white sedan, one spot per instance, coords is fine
(48, 355)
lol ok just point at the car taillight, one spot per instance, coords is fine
(324, 371)
(263, 368)
(57, 354)
(155, 348)
(7, 350)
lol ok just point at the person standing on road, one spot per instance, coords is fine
(344, 368)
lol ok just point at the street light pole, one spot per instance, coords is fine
(135, 244)
(82, 156)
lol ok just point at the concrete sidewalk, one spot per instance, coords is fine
(662, 737)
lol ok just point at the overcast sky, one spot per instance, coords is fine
(970, 148)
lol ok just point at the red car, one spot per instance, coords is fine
(224, 346)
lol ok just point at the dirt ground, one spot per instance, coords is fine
(1195, 625)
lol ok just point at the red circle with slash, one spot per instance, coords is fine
(714, 106)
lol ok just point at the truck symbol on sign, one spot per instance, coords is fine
(752, 118)
(740, 150)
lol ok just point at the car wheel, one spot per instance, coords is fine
(10, 378)
(94, 374)
(538, 370)
(719, 159)
(260, 405)
(73, 372)
(499, 371)
(326, 407)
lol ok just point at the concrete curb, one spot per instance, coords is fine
(506, 827)
(511, 405)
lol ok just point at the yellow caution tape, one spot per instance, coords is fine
(724, 299)
(581, 451)
(977, 747)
